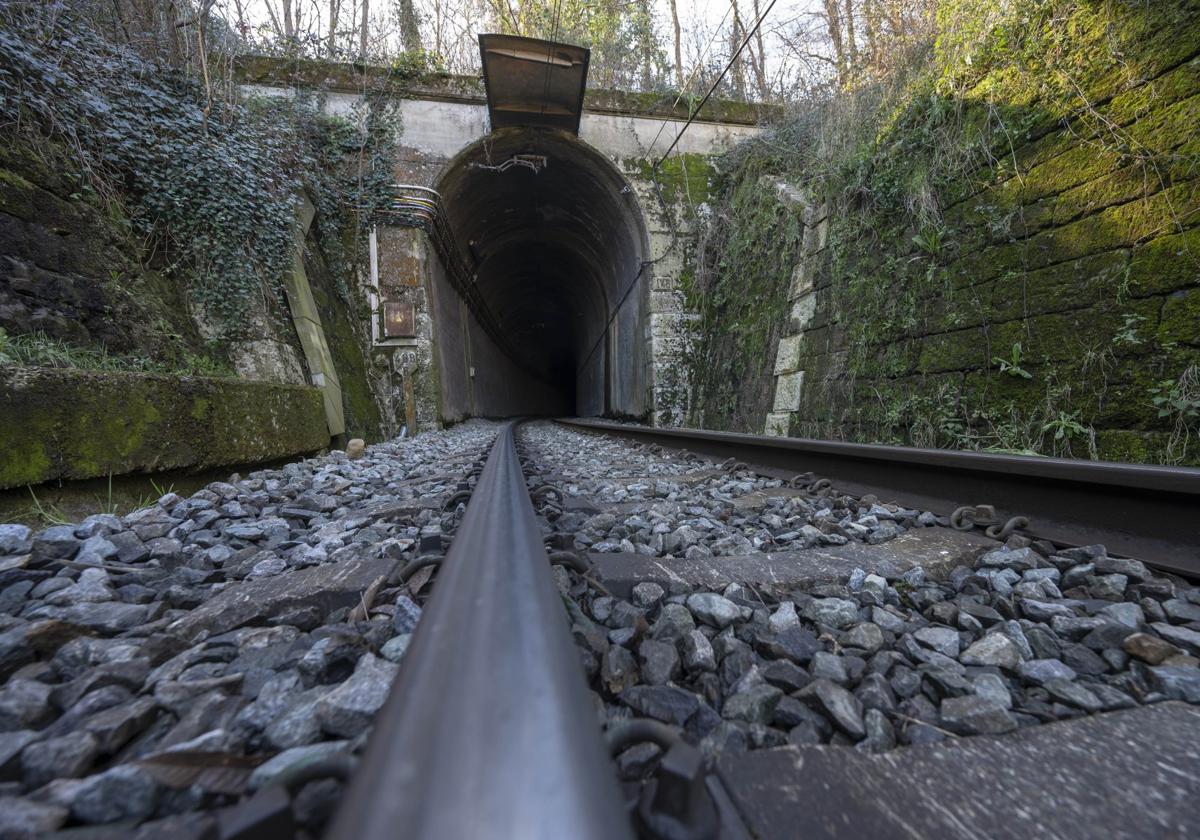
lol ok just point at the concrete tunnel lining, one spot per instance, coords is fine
(554, 253)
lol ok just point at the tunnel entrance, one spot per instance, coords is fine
(557, 248)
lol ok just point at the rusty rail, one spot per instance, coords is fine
(1148, 512)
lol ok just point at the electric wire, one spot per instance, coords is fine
(646, 264)
(695, 69)
(715, 84)
(550, 53)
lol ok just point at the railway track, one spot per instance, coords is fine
(1148, 512)
(589, 629)
(506, 742)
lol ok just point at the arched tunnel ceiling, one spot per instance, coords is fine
(552, 251)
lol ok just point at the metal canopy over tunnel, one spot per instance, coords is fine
(533, 82)
(553, 247)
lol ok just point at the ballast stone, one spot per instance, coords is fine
(15, 539)
(124, 792)
(834, 612)
(350, 708)
(715, 610)
(327, 587)
(27, 819)
(994, 649)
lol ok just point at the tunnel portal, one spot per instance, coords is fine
(557, 246)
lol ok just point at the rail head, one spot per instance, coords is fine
(488, 731)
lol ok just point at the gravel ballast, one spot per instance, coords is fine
(1021, 635)
(255, 625)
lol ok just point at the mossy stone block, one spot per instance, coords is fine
(68, 424)
(1180, 320)
(1166, 263)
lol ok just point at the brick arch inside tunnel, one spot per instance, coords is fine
(558, 257)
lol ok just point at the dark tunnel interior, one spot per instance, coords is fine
(557, 257)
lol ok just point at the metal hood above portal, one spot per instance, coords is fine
(533, 82)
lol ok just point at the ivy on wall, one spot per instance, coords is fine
(208, 183)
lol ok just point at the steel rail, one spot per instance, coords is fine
(488, 731)
(1148, 512)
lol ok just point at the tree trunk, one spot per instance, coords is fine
(851, 46)
(243, 29)
(678, 46)
(362, 34)
(871, 25)
(735, 41)
(335, 6)
(646, 28)
(410, 32)
(833, 20)
(759, 60)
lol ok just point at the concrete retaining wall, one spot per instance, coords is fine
(74, 424)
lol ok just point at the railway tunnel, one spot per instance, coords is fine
(554, 248)
(556, 244)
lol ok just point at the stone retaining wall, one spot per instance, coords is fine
(74, 424)
(1051, 301)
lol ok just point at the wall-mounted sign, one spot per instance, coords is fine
(399, 319)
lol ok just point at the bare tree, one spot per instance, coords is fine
(335, 6)
(758, 58)
(285, 20)
(851, 46)
(410, 32)
(870, 12)
(833, 18)
(363, 30)
(735, 40)
(678, 45)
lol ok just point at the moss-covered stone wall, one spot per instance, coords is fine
(1007, 258)
(74, 424)
(72, 271)
(68, 266)
(344, 317)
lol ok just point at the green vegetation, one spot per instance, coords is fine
(157, 208)
(208, 183)
(39, 350)
(67, 423)
(684, 181)
(742, 321)
(1010, 260)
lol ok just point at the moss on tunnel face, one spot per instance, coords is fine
(686, 179)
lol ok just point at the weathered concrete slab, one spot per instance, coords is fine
(65, 423)
(938, 550)
(327, 587)
(1128, 774)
